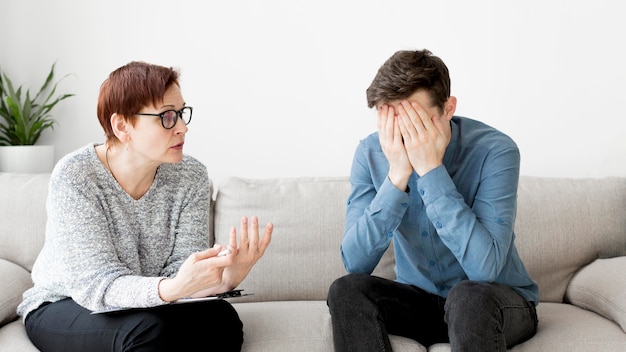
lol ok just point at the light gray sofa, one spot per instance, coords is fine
(571, 234)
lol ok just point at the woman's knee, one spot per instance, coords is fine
(224, 321)
(172, 327)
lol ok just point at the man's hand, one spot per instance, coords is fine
(390, 137)
(425, 136)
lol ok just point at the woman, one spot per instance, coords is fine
(128, 228)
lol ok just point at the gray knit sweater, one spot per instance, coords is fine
(107, 250)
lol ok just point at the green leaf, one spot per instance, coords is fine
(23, 120)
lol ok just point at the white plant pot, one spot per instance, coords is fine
(32, 159)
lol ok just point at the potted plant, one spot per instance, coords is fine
(23, 118)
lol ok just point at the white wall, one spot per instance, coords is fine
(278, 87)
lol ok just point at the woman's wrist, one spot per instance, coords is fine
(167, 291)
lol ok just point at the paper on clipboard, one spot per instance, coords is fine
(229, 294)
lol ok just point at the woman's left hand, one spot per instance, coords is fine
(249, 250)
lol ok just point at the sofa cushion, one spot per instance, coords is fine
(285, 326)
(567, 328)
(564, 224)
(13, 338)
(15, 280)
(23, 216)
(296, 326)
(308, 214)
(601, 288)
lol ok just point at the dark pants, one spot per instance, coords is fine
(66, 326)
(475, 316)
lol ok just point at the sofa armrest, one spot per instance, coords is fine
(599, 287)
(15, 280)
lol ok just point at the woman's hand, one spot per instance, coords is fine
(200, 271)
(205, 273)
(245, 254)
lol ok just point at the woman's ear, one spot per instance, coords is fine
(120, 127)
(449, 108)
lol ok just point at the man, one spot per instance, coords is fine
(443, 188)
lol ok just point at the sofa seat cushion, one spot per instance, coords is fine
(295, 326)
(601, 288)
(567, 328)
(13, 338)
(15, 280)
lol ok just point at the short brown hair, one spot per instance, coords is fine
(130, 88)
(404, 73)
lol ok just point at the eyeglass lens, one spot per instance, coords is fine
(170, 117)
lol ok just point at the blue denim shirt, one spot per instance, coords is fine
(454, 223)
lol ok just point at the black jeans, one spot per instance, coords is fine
(475, 316)
(66, 326)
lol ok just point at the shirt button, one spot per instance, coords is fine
(389, 234)
(421, 192)
(404, 205)
(431, 263)
(442, 288)
(424, 233)
(439, 225)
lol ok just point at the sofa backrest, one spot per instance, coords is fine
(22, 216)
(308, 214)
(564, 224)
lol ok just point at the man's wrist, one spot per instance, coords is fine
(403, 186)
(426, 169)
(399, 180)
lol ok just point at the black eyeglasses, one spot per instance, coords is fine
(170, 117)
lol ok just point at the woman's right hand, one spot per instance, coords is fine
(200, 271)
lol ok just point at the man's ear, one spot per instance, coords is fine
(119, 126)
(449, 108)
